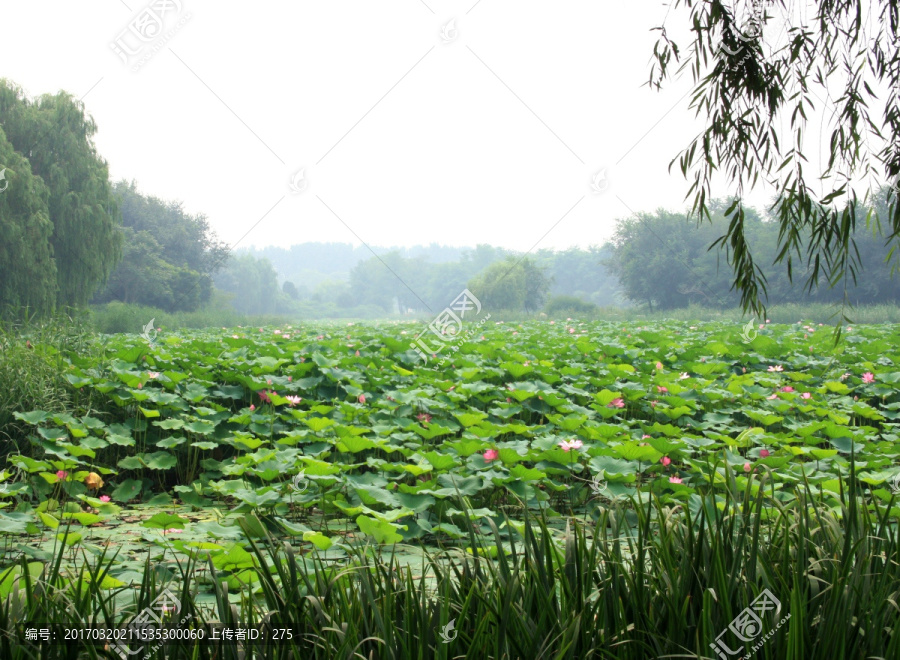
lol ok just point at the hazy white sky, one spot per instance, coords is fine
(410, 129)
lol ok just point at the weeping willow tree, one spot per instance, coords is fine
(27, 268)
(763, 71)
(55, 137)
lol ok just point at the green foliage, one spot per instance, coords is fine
(513, 284)
(56, 137)
(642, 580)
(558, 305)
(759, 80)
(31, 366)
(665, 261)
(168, 255)
(26, 256)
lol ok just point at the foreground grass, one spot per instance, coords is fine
(645, 581)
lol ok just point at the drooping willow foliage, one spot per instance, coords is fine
(764, 73)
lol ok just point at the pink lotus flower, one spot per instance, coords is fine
(357, 353)
(661, 389)
(252, 407)
(806, 395)
(644, 437)
(665, 460)
(264, 397)
(747, 467)
(659, 366)
(152, 374)
(140, 386)
(674, 480)
(104, 498)
(490, 455)
(423, 417)
(845, 376)
(269, 381)
(172, 530)
(653, 404)
(787, 388)
(61, 475)
(362, 398)
(868, 377)
(278, 332)
(571, 331)
(774, 396)
(616, 403)
(763, 453)
(293, 400)
(568, 445)
(776, 367)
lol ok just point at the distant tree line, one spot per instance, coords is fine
(420, 279)
(664, 260)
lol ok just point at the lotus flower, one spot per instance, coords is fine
(675, 480)
(362, 398)
(763, 453)
(776, 367)
(787, 388)
(616, 403)
(747, 467)
(152, 374)
(868, 377)
(665, 460)
(293, 400)
(490, 455)
(104, 498)
(568, 445)
(93, 481)
(659, 366)
(61, 475)
(806, 395)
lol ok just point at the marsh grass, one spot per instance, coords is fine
(641, 581)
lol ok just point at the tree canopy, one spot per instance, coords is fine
(54, 136)
(169, 255)
(680, 270)
(762, 72)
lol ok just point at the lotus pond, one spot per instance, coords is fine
(338, 435)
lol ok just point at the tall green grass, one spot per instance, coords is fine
(648, 581)
(32, 365)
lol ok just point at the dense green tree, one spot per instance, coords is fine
(512, 284)
(27, 267)
(664, 260)
(56, 137)
(169, 255)
(758, 95)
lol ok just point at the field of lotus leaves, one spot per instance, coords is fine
(338, 434)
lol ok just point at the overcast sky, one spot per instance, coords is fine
(414, 121)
